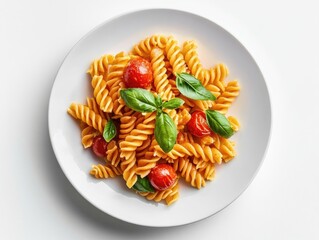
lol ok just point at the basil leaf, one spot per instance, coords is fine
(109, 131)
(165, 131)
(219, 123)
(192, 88)
(173, 103)
(139, 99)
(143, 185)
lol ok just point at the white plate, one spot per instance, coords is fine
(215, 45)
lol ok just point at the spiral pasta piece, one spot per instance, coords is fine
(148, 161)
(183, 117)
(218, 75)
(207, 140)
(169, 69)
(174, 195)
(183, 137)
(175, 56)
(100, 66)
(216, 138)
(188, 103)
(141, 118)
(142, 150)
(128, 166)
(161, 82)
(173, 114)
(101, 93)
(119, 104)
(205, 77)
(116, 69)
(144, 47)
(146, 164)
(126, 126)
(189, 173)
(88, 116)
(192, 60)
(234, 123)
(188, 149)
(87, 132)
(113, 153)
(105, 171)
(126, 111)
(206, 169)
(114, 81)
(156, 196)
(227, 149)
(199, 163)
(139, 134)
(174, 89)
(214, 90)
(87, 135)
(224, 101)
(128, 147)
(93, 105)
(202, 105)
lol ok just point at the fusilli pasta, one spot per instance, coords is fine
(87, 134)
(100, 66)
(134, 151)
(87, 116)
(113, 153)
(105, 171)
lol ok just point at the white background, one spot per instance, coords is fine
(38, 202)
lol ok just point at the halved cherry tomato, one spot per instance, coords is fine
(138, 73)
(162, 176)
(99, 146)
(197, 125)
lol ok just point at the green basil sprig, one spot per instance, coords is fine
(192, 88)
(165, 131)
(219, 123)
(143, 185)
(139, 99)
(142, 100)
(109, 131)
(173, 103)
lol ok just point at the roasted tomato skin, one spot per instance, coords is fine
(99, 146)
(138, 73)
(197, 125)
(162, 176)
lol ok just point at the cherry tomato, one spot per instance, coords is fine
(197, 125)
(138, 73)
(162, 176)
(99, 146)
